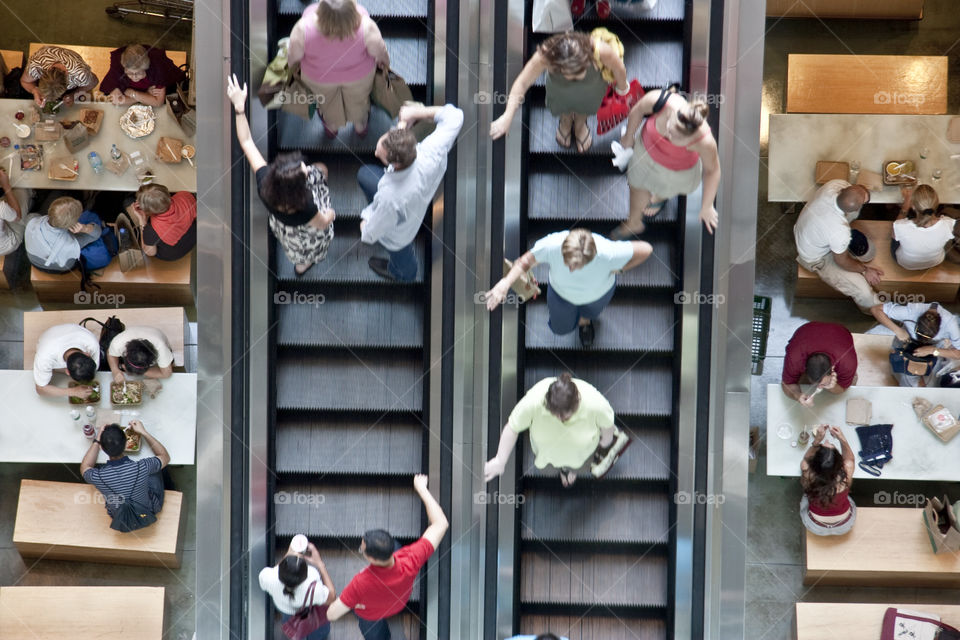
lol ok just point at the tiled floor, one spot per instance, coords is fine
(774, 553)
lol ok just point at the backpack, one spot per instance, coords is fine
(131, 514)
(100, 252)
(108, 331)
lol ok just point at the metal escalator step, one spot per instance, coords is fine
(634, 385)
(628, 12)
(321, 510)
(368, 381)
(381, 446)
(627, 324)
(655, 62)
(296, 133)
(593, 579)
(376, 8)
(346, 261)
(346, 198)
(599, 515)
(565, 194)
(387, 317)
(657, 271)
(647, 458)
(592, 627)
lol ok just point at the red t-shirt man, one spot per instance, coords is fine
(824, 352)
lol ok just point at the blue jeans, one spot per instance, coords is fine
(564, 315)
(403, 262)
(369, 176)
(374, 629)
(321, 633)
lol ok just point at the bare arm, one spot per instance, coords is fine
(641, 251)
(707, 149)
(642, 109)
(438, 521)
(498, 294)
(613, 62)
(52, 391)
(849, 263)
(792, 390)
(90, 457)
(238, 97)
(494, 467)
(313, 557)
(295, 44)
(337, 610)
(373, 41)
(8, 196)
(534, 67)
(159, 372)
(114, 364)
(158, 449)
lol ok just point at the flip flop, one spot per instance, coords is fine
(584, 144)
(564, 140)
(654, 208)
(565, 480)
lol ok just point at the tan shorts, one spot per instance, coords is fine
(849, 283)
(343, 103)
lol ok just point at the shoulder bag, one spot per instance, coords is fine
(108, 331)
(307, 619)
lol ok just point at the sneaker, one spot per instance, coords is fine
(586, 332)
(381, 268)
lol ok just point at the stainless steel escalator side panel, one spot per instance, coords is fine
(214, 331)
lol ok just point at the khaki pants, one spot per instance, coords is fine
(849, 283)
(343, 103)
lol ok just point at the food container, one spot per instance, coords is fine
(31, 157)
(133, 439)
(63, 168)
(899, 172)
(93, 398)
(169, 150)
(128, 395)
(188, 151)
(138, 121)
(91, 119)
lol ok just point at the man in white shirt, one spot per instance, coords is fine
(400, 192)
(823, 237)
(142, 351)
(12, 205)
(66, 348)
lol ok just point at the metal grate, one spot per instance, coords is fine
(761, 330)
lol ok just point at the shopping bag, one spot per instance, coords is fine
(552, 16)
(940, 521)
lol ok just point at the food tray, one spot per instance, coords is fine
(31, 157)
(138, 121)
(57, 172)
(133, 438)
(134, 394)
(94, 398)
(907, 175)
(91, 119)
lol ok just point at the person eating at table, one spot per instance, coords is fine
(55, 241)
(142, 351)
(169, 221)
(66, 348)
(140, 74)
(821, 354)
(54, 73)
(925, 329)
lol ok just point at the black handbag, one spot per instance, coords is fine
(903, 361)
(876, 447)
(108, 331)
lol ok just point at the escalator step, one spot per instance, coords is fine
(638, 385)
(657, 271)
(655, 62)
(346, 198)
(375, 381)
(596, 627)
(376, 8)
(628, 12)
(560, 195)
(593, 579)
(380, 317)
(335, 511)
(647, 458)
(625, 325)
(318, 446)
(596, 515)
(346, 261)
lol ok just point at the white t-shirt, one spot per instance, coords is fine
(154, 336)
(922, 247)
(822, 227)
(909, 313)
(57, 340)
(8, 239)
(588, 283)
(270, 582)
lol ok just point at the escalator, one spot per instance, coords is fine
(350, 366)
(594, 562)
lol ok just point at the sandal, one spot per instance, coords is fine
(564, 139)
(654, 208)
(584, 144)
(567, 477)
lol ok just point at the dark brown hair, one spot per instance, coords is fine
(567, 53)
(928, 325)
(284, 188)
(401, 148)
(562, 397)
(824, 477)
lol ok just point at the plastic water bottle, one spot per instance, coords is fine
(114, 152)
(96, 162)
(299, 543)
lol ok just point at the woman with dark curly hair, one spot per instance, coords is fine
(826, 475)
(579, 68)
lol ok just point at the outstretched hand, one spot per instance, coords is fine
(236, 94)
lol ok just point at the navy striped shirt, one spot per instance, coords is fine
(119, 479)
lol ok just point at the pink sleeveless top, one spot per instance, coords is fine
(330, 61)
(664, 152)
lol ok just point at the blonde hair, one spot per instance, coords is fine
(135, 58)
(52, 83)
(568, 54)
(578, 248)
(924, 205)
(153, 198)
(64, 212)
(338, 19)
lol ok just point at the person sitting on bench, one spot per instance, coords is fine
(66, 348)
(826, 474)
(139, 73)
(56, 74)
(920, 232)
(822, 354)
(54, 242)
(929, 329)
(142, 351)
(169, 222)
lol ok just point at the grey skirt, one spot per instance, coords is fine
(820, 530)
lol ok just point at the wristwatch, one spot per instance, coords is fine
(936, 353)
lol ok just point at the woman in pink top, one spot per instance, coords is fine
(338, 47)
(676, 149)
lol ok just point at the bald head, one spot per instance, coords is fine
(851, 198)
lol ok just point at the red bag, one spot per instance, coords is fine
(308, 619)
(615, 108)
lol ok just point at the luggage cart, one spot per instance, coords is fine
(179, 10)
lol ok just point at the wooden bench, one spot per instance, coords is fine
(870, 9)
(172, 321)
(818, 83)
(855, 621)
(81, 613)
(99, 57)
(888, 547)
(939, 284)
(68, 521)
(160, 282)
(873, 360)
(12, 59)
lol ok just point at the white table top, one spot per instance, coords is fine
(917, 453)
(176, 177)
(799, 140)
(40, 429)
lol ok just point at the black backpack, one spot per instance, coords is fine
(131, 514)
(108, 331)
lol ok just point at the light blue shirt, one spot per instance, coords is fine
(402, 198)
(590, 282)
(909, 313)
